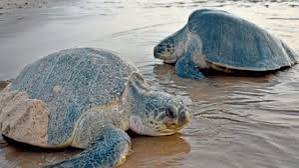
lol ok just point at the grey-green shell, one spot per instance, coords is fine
(72, 81)
(233, 42)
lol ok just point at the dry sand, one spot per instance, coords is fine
(13, 4)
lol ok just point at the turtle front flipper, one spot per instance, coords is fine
(109, 149)
(186, 68)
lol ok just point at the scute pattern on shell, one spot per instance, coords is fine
(235, 43)
(72, 81)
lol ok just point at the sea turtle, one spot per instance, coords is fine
(86, 98)
(215, 40)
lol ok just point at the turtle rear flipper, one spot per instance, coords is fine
(109, 149)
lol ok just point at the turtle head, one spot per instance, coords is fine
(171, 48)
(155, 113)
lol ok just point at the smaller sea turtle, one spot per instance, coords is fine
(219, 41)
(86, 98)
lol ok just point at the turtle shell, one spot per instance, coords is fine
(70, 82)
(235, 43)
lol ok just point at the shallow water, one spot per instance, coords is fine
(237, 121)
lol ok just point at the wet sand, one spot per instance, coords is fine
(237, 121)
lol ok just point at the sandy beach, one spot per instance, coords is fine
(10, 4)
(237, 121)
(13, 4)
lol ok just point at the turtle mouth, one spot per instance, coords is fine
(172, 128)
(170, 61)
(166, 55)
(170, 131)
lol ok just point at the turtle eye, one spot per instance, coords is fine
(170, 113)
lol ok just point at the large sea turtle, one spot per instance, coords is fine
(219, 41)
(86, 98)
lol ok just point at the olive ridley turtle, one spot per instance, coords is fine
(86, 98)
(215, 40)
